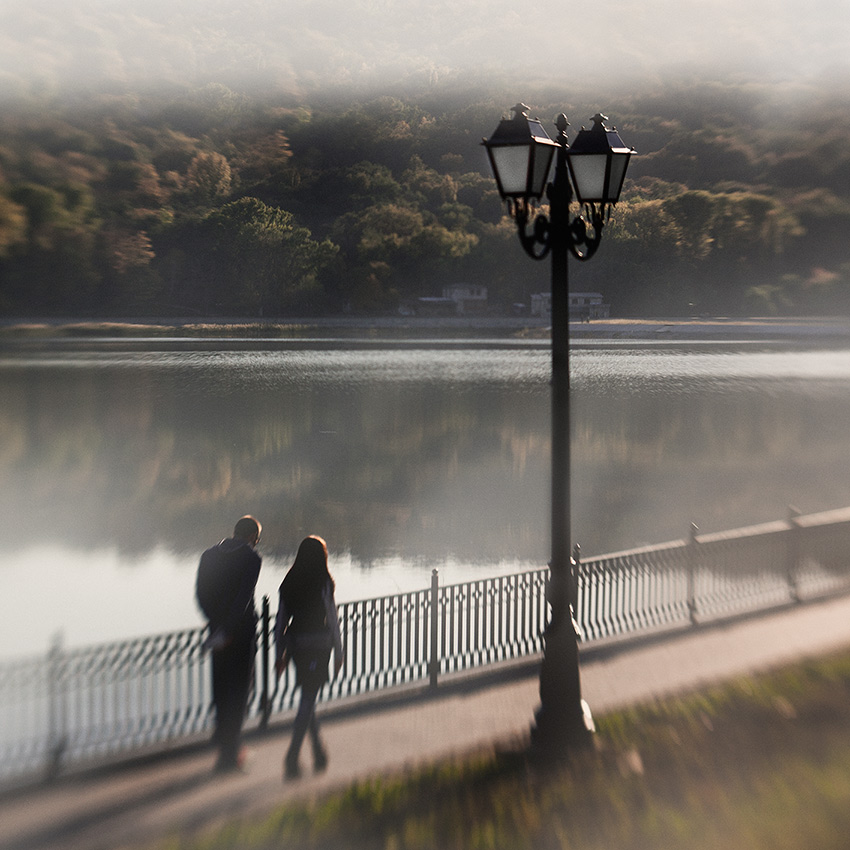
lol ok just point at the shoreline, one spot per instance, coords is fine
(684, 329)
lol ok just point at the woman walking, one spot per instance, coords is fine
(306, 629)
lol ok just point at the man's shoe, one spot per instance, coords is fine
(320, 760)
(237, 764)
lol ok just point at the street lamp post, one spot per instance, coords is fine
(521, 154)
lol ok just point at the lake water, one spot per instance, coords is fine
(121, 461)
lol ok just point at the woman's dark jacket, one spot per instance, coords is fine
(307, 627)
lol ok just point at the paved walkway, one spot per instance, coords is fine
(126, 806)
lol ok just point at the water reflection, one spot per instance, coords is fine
(154, 449)
(722, 438)
(134, 457)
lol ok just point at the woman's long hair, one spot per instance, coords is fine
(308, 573)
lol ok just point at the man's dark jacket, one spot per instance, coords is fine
(227, 576)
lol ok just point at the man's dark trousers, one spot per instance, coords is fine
(232, 676)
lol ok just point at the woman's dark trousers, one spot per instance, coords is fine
(305, 720)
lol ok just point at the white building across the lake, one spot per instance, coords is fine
(468, 297)
(583, 306)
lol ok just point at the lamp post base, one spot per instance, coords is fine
(563, 724)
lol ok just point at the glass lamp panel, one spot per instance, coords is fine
(588, 173)
(619, 163)
(510, 167)
(540, 168)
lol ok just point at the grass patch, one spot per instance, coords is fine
(758, 764)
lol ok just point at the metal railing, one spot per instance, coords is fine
(420, 636)
(711, 576)
(80, 705)
(83, 704)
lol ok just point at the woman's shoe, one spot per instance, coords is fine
(291, 770)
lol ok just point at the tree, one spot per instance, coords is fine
(638, 268)
(369, 183)
(258, 261)
(127, 249)
(208, 178)
(54, 268)
(13, 225)
(693, 216)
(412, 247)
(430, 188)
(13, 234)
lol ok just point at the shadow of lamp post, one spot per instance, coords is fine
(594, 166)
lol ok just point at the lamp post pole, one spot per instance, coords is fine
(562, 722)
(520, 154)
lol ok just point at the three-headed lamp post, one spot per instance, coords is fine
(593, 168)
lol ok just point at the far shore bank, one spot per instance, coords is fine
(703, 328)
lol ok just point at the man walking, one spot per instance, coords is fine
(227, 576)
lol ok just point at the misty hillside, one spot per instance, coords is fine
(295, 45)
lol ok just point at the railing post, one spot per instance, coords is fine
(434, 661)
(265, 704)
(692, 573)
(575, 566)
(793, 553)
(57, 709)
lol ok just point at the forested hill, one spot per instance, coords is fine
(219, 200)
